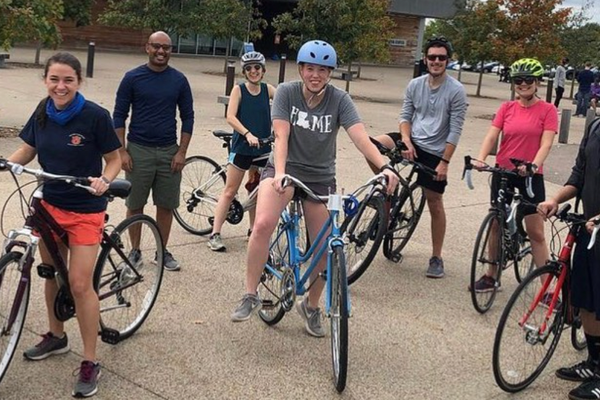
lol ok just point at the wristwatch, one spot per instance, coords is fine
(105, 180)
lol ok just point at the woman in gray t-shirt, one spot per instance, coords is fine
(306, 115)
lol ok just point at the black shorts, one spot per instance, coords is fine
(430, 160)
(585, 277)
(320, 188)
(244, 162)
(537, 185)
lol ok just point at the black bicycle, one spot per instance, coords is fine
(501, 242)
(367, 229)
(127, 275)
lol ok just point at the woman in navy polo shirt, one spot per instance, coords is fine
(71, 136)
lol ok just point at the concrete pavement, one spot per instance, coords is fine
(410, 337)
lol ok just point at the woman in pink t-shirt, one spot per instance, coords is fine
(528, 126)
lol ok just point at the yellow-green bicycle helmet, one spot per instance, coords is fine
(526, 67)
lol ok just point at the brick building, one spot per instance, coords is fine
(409, 16)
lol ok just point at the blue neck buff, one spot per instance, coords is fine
(62, 117)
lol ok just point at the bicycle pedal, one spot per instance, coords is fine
(268, 304)
(110, 336)
(396, 257)
(45, 271)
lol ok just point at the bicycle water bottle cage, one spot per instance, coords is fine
(45, 271)
(350, 206)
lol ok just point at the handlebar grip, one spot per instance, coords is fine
(469, 179)
(529, 187)
(562, 212)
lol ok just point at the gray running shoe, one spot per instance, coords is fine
(50, 345)
(312, 318)
(215, 243)
(250, 304)
(87, 379)
(436, 268)
(169, 263)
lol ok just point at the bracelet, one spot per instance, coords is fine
(388, 167)
(105, 180)
(245, 133)
(444, 160)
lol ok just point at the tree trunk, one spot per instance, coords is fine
(572, 83)
(348, 77)
(227, 54)
(359, 69)
(460, 63)
(478, 94)
(38, 51)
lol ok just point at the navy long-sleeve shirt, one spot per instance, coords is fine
(153, 98)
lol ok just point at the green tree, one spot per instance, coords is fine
(357, 29)
(30, 20)
(153, 14)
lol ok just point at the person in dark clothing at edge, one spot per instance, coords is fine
(584, 183)
(150, 156)
(560, 77)
(584, 95)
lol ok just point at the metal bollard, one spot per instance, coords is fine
(549, 90)
(589, 118)
(282, 61)
(229, 81)
(89, 69)
(565, 123)
(512, 91)
(417, 69)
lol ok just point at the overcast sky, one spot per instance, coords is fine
(593, 12)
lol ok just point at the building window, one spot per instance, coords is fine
(398, 42)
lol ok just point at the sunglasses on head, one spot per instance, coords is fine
(441, 57)
(249, 68)
(158, 46)
(518, 80)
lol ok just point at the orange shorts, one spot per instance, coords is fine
(82, 229)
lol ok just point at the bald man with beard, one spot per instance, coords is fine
(151, 156)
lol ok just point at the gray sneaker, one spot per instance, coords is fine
(50, 345)
(436, 268)
(87, 379)
(312, 318)
(169, 263)
(215, 243)
(250, 303)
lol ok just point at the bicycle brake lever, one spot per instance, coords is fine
(593, 238)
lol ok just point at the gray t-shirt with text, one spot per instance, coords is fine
(313, 132)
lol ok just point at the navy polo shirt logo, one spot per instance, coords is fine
(76, 139)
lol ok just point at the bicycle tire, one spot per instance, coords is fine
(481, 260)
(523, 262)
(126, 310)
(269, 288)
(364, 232)
(404, 219)
(578, 340)
(10, 278)
(338, 315)
(509, 356)
(206, 178)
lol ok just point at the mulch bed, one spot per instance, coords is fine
(8, 132)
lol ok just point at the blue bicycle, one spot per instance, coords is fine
(284, 277)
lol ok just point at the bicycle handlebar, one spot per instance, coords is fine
(467, 174)
(118, 187)
(564, 215)
(226, 136)
(395, 156)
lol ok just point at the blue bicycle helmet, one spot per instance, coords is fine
(317, 52)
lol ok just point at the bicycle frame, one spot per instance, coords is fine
(333, 239)
(564, 262)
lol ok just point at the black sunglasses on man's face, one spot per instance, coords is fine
(441, 57)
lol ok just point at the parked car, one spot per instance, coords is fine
(498, 68)
(487, 66)
(451, 65)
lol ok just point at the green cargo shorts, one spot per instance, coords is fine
(152, 170)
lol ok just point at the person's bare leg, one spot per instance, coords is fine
(51, 290)
(232, 185)
(534, 225)
(315, 215)
(435, 203)
(164, 220)
(135, 231)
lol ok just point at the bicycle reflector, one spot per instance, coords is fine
(350, 206)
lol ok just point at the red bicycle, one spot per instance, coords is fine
(537, 313)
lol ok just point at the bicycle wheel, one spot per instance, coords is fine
(10, 280)
(364, 233)
(577, 334)
(338, 313)
(482, 262)
(270, 286)
(526, 337)
(523, 262)
(127, 277)
(202, 182)
(404, 218)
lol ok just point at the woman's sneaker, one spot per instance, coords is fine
(87, 379)
(312, 318)
(249, 304)
(215, 243)
(50, 345)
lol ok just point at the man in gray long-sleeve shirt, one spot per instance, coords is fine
(560, 78)
(431, 122)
